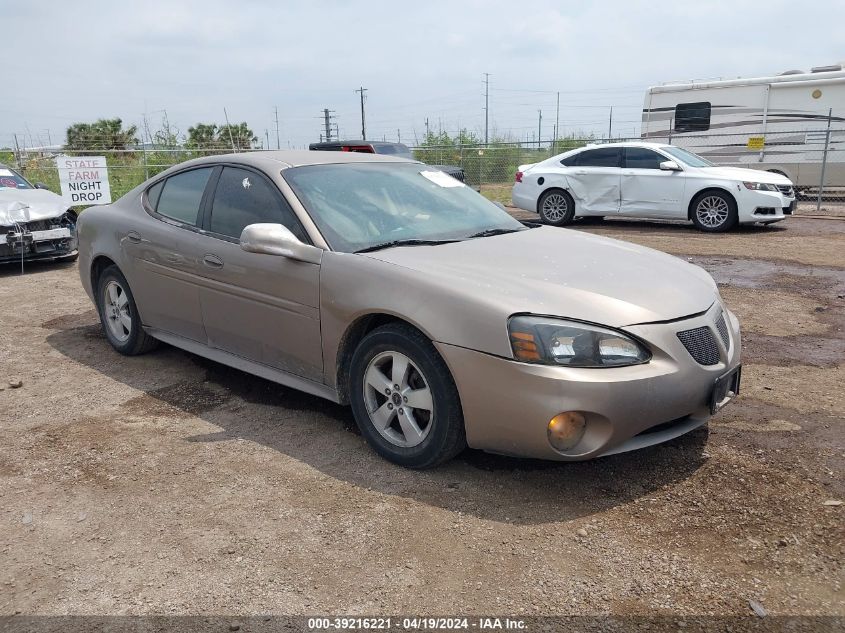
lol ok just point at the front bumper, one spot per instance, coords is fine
(507, 405)
(30, 245)
(763, 206)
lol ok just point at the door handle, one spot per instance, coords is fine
(212, 261)
(134, 237)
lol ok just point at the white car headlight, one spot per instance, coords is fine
(550, 341)
(760, 186)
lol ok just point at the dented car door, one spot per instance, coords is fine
(595, 181)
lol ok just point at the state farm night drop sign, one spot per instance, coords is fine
(84, 179)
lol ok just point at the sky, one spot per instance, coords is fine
(83, 60)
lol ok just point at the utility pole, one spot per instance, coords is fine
(277, 128)
(362, 90)
(399, 134)
(557, 124)
(539, 130)
(328, 123)
(427, 131)
(610, 124)
(486, 107)
(267, 136)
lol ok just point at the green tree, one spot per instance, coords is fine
(103, 134)
(203, 136)
(213, 136)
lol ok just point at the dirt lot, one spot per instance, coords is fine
(171, 485)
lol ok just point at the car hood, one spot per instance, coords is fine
(27, 205)
(562, 272)
(746, 175)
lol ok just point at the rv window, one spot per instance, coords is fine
(692, 117)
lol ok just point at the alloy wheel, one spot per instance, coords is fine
(555, 207)
(116, 311)
(398, 399)
(712, 211)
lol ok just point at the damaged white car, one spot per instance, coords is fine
(34, 223)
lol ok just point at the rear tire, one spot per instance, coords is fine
(119, 314)
(418, 425)
(556, 207)
(713, 212)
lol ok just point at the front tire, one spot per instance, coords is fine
(556, 207)
(404, 399)
(714, 212)
(119, 314)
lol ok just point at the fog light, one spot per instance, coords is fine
(566, 430)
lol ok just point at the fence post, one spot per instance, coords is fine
(824, 160)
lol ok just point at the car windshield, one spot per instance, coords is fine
(358, 206)
(688, 158)
(12, 180)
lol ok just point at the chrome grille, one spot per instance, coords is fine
(786, 190)
(701, 345)
(722, 327)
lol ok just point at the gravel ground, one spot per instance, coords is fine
(167, 484)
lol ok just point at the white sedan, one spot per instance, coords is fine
(650, 180)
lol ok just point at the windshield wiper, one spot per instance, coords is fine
(491, 232)
(408, 242)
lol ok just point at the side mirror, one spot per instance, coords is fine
(41, 185)
(670, 165)
(276, 239)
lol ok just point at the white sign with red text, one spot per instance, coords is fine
(84, 179)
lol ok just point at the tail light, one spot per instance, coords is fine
(518, 177)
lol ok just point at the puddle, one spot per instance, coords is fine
(753, 273)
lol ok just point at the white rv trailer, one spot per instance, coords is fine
(775, 123)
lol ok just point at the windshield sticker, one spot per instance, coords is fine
(442, 179)
(245, 183)
(5, 172)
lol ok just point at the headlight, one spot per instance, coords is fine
(551, 341)
(760, 186)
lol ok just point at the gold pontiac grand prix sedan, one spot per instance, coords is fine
(378, 282)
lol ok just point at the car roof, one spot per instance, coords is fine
(284, 159)
(626, 144)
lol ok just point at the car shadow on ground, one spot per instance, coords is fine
(324, 436)
(674, 226)
(12, 268)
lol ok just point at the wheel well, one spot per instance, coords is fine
(545, 191)
(99, 264)
(710, 190)
(351, 338)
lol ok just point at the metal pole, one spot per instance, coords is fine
(362, 90)
(277, 129)
(539, 129)
(229, 129)
(557, 124)
(328, 124)
(824, 159)
(610, 124)
(486, 106)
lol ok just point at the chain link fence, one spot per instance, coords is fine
(814, 160)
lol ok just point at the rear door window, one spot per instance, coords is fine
(181, 195)
(599, 157)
